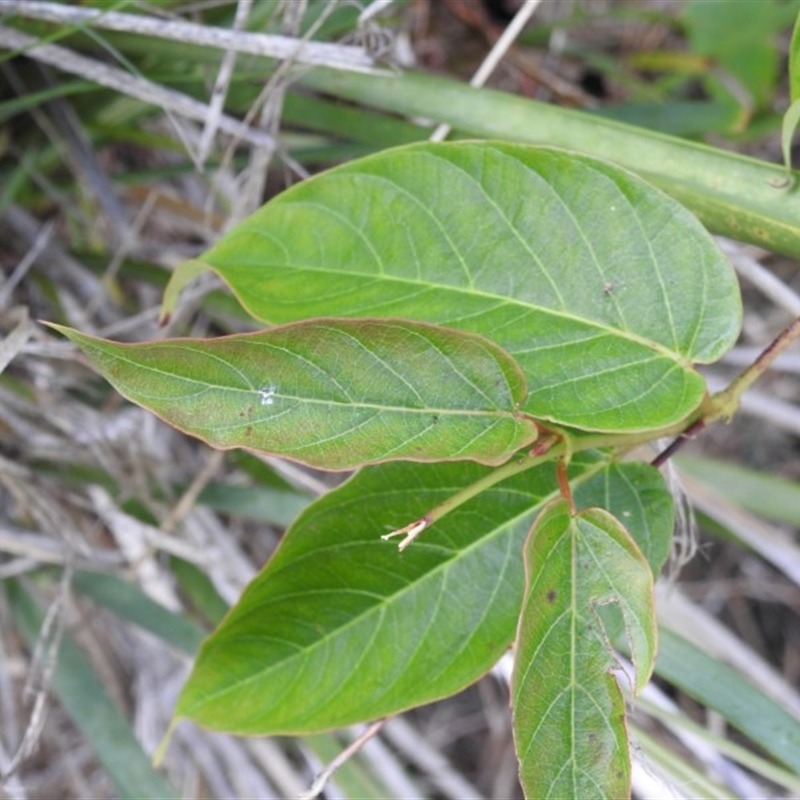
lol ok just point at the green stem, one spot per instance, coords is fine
(514, 467)
(559, 449)
(725, 403)
(557, 445)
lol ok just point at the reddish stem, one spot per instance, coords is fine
(679, 442)
(563, 484)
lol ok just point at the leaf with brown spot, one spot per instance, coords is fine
(569, 712)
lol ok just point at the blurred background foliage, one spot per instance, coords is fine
(122, 542)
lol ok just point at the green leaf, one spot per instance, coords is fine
(638, 496)
(788, 127)
(333, 394)
(604, 290)
(340, 628)
(569, 711)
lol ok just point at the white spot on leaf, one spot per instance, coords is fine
(267, 395)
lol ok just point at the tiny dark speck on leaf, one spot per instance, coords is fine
(248, 431)
(551, 596)
(592, 737)
(435, 419)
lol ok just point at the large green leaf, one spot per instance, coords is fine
(339, 627)
(604, 290)
(569, 711)
(331, 393)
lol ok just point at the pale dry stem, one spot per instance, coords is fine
(408, 532)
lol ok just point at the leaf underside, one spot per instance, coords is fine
(569, 711)
(603, 289)
(334, 394)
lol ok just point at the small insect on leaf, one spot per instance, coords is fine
(267, 395)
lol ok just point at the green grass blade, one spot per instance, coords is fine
(130, 603)
(791, 119)
(770, 496)
(255, 502)
(83, 695)
(724, 745)
(732, 194)
(724, 690)
(679, 770)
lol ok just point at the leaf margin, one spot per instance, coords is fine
(525, 428)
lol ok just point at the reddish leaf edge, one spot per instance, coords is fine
(76, 337)
(620, 674)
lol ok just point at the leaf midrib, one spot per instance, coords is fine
(501, 413)
(499, 300)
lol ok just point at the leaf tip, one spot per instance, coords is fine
(64, 330)
(183, 274)
(161, 750)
